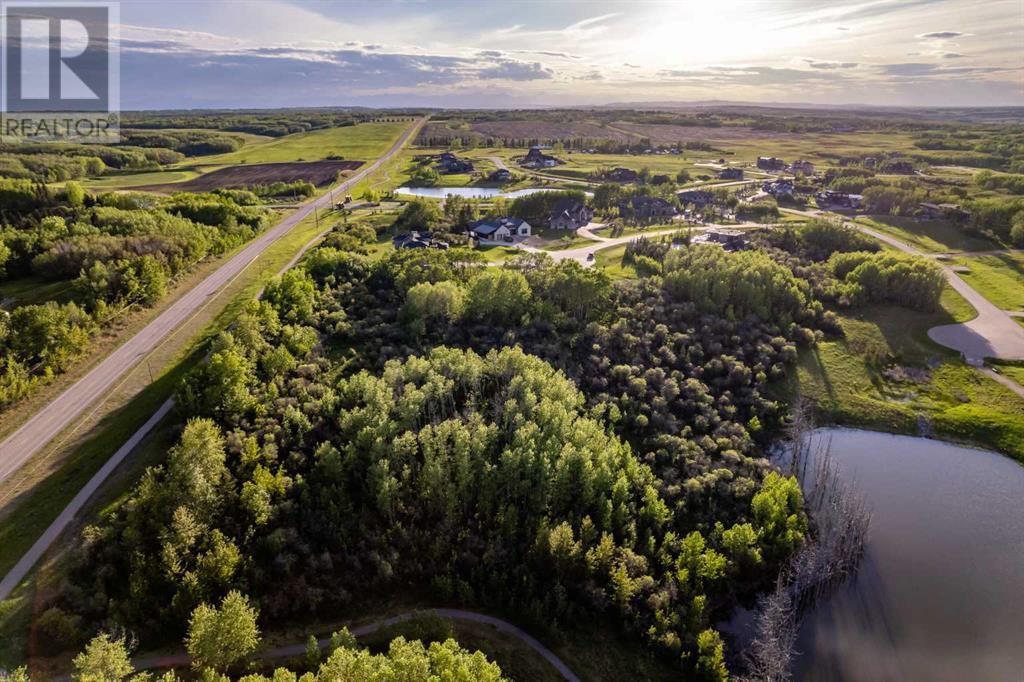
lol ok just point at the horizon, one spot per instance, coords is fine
(881, 53)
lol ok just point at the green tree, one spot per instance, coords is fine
(499, 296)
(428, 304)
(293, 294)
(711, 657)
(219, 637)
(74, 194)
(418, 214)
(105, 659)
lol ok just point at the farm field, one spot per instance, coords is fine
(359, 142)
(317, 172)
(998, 277)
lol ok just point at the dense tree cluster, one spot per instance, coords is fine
(116, 251)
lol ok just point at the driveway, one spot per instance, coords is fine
(497, 161)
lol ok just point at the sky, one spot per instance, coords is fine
(515, 53)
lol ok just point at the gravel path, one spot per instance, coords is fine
(299, 649)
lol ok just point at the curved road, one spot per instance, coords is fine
(43, 426)
(291, 650)
(992, 334)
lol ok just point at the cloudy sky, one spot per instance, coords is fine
(273, 53)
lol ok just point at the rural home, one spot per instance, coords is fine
(829, 199)
(935, 211)
(696, 197)
(570, 214)
(622, 175)
(503, 229)
(417, 240)
(730, 240)
(770, 163)
(779, 189)
(500, 175)
(449, 164)
(535, 158)
(802, 167)
(731, 174)
(640, 207)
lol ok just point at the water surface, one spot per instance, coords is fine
(940, 593)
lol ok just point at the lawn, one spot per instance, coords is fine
(128, 180)
(610, 260)
(999, 278)
(886, 374)
(932, 236)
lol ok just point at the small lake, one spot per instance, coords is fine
(470, 192)
(940, 592)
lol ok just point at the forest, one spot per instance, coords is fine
(113, 252)
(533, 439)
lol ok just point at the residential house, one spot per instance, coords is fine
(500, 175)
(417, 240)
(502, 229)
(731, 174)
(934, 211)
(698, 198)
(449, 164)
(828, 199)
(622, 175)
(730, 240)
(779, 189)
(644, 208)
(802, 167)
(570, 214)
(770, 163)
(535, 158)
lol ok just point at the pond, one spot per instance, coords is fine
(940, 591)
(470, 192)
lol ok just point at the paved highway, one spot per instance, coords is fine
(42, 427)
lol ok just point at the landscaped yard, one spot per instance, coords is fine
(999, 278)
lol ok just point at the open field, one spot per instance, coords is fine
(931, 236)
(998, 277)
(361, 142)
(886, 374)
(317, 172)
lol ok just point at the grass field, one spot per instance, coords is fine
(999, 278)
(931, 236)
(128, 180)
(360, 142)
(886, 374)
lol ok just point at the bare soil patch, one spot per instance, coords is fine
(317, 172)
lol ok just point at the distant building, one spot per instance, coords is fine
(622, 175)
(829, 199)
(535, 158)
(770, 163)
(730, 240)
(500, 175)
(935, 211)
(731, 174)
(696, 197)
(779, 189)
(449, 164)
(802, 167)
(640, 207)
(503, 229)
(417, 240)
(570, 214)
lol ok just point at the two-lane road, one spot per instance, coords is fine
(46, 424)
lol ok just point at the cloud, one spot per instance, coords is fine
(925, 70)
(842, 28)
(825, 64)
(550, 53)
(631, 66)
(941, 35)
(516, 71)
(592, 76)
(744, 75)
(953, 55)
